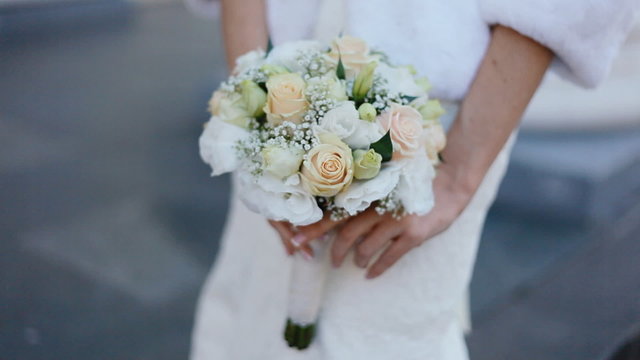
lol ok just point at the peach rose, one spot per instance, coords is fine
(405, 125)
(328, 168)
(353, 51)
(285, 99)
(434, 139)
(214, 103)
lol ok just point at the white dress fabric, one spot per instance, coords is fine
(410, 312)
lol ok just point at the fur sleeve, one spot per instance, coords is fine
(585, 35)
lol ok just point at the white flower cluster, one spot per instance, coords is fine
(309, 128)
(314, 64)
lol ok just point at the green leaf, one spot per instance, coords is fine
(340, 73)
(408, 98)
(384, 147)
(269, 46)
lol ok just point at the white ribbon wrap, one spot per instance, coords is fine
(306, 286)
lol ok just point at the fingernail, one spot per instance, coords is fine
(297, 240)
(306, 255)
(360, 263)
(369, 276)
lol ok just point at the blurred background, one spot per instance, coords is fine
(109, 221)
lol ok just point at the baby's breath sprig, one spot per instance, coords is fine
(380, 97)
(320, 101)
(250, 149)
(313, 62)
(232, 84)
(336, 213)
(289, 134)
(390, 204)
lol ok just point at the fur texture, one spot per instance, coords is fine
(585, 35)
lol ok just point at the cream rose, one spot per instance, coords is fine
(353, 51)
(230, 108)
(281, 161)
(328, 168)
(214, 102)
(285, 98)
(434, 139)
(405, 126)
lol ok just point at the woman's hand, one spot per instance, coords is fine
(296, 238)
(369, 233)
(292, 239)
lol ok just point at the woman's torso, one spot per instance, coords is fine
(444, 40)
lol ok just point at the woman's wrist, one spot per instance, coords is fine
(457, 183)
(462, 170)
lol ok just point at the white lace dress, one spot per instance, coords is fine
(411, 311)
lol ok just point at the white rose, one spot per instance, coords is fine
(217, 145)
(281, 162)
(278, 200)
(287, 54)
(415, 189)
(399, 80)
(342, 120)
(366, 133)
(249, 60)
(361, 194)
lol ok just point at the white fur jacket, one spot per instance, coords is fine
(446, 40)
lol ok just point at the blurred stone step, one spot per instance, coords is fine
(584, 307)
(590, 178)
(38, 18)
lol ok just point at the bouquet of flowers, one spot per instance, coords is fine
(310, 129)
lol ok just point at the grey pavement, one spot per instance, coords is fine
(110, 222)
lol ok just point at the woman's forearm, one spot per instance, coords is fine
(244, 27)
(506, 80)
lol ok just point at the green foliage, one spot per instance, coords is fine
(299, 336)
(384, 147)
(340, 73)
(269, 46)
(408, 98)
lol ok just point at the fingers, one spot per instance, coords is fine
(357, 227)
(313, 231)
(390, 256)
(285, 230)
(286, 233)
(306, 251)
(375, 241)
